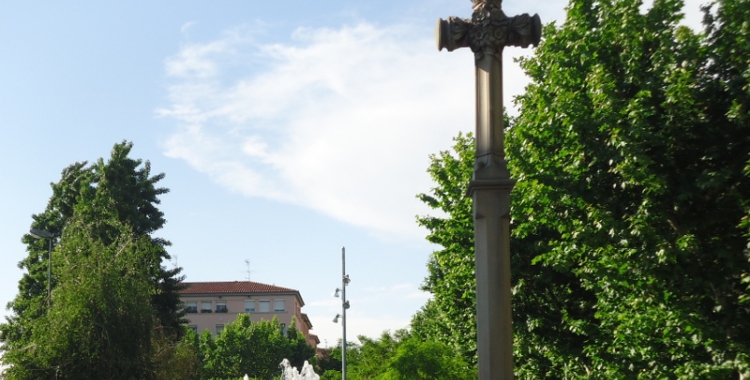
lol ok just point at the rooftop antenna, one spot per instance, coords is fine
(247, 262)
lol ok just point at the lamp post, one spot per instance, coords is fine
(344, 305)
(42, 234)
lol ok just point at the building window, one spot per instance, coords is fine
(221, 306)
(206, 307)
(265, 307)
(278, 305)
(219, 329)
(194, 328)
(250, 306)
(191, 307)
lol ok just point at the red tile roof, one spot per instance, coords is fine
(232, 287)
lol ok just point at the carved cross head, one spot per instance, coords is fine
(489, 30)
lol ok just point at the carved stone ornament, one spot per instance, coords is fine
(489, 30)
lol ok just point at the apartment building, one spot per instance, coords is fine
(212, 305)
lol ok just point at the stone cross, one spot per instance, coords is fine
(487, 33)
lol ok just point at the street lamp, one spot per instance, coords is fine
(42, 234)
(344, 305)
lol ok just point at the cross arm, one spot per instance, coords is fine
(488, 31)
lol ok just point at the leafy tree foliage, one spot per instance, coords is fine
(400, 356)
(426, 360)
(371, 358)
(328, 366)
(176, 361)
(299, 350)
(331, 375)
(100, 321)
(631, 146)
(328, 361)
(630, 218)
(450, 317)
(253, 348)
(108, 208)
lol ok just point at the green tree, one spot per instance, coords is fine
(299, 350)
(331, 375)
(176, 360)
(100, 322)
(329, 361)
(629, 247)
(112, 201)
(246, 347)
(401, 356)
(450, 317)
(629, 149)
(415, 359)
(370, 359)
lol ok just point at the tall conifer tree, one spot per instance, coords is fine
(108, 197)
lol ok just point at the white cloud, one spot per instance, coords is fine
(186, 26)
(195, 60)
(254, 146)
(338, 120)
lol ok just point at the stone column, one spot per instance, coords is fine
(487, 33)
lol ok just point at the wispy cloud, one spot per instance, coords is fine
(338, 120)
(195, 61)
(186, 26)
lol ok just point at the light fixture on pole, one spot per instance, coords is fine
(344, 305)
(42, 234)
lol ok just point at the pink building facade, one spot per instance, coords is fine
(212, 305)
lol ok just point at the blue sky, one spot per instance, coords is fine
(286, 130)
